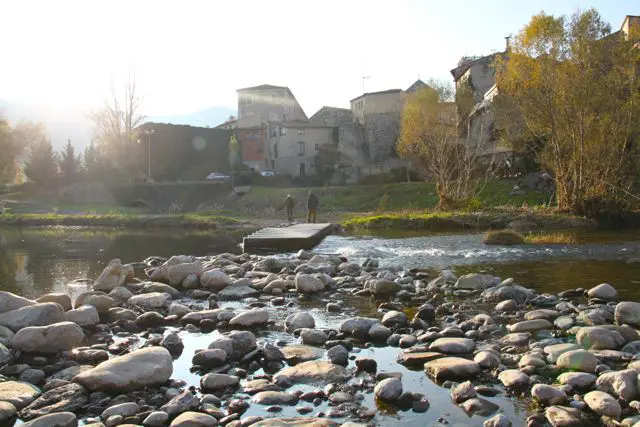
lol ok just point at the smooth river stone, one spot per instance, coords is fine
(530, 326)
(451, 368)
(453, 345)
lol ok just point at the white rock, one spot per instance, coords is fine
(114, 274)
(215, 280)
(250, 318)
(628, 312)
(453, 345)
(153, 300)
(548, 395)
(308, 284)
(48, 339)
(85, 315)
(603, 291)
(476, 281)
(578, 360)
(599, 338)
(603, 404)
(40, 314)
(299, 321)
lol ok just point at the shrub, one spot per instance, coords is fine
(503, 237)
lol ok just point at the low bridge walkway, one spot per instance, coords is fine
(292, 238)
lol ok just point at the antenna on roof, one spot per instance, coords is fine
(363, 79)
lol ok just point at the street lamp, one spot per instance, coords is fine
(148, 132)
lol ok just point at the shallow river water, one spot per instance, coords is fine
(37, 261)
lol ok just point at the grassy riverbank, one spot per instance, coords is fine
(186, 221)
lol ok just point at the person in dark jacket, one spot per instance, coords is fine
(312, 207)
(289, 203)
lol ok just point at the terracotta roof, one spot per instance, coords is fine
(261, 87)
(378, 93)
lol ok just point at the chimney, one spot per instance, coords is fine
(507, 44)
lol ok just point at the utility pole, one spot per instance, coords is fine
(363, 79)
(148, 132)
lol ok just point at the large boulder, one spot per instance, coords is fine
(452, 368)
(622, 384)
(250, 318)
(299, 320)
(215, 280)
(134, 371)
(453, 345)
(48, 339)
(193, 419)
(381, 286)
(308, 284)
(218, 381)
(358, 326)
(40, 314)
(114, 274)
(578, 360)
(388, 389)
(61, 298)
(236, 344)
(103, 303)
(603, 291)
(312, 372)
(177, 273)
(603, 404)
(19, 394)
(59, 419)
(599, 338)
(9, 301)
(152, 300)
(628, 312)
(85, 315)
(476, 281)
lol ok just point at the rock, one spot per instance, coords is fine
(578, 360)
(134, 371)
(476, 281)
(562, 416)
(513, 292)
(312, 372)
(10, 302)
(394, 318)
(627, 312)
(156, 419)
(506, 306)
(548, 395)
(40, 314)
(599, 338)
(577, 379)
(554, 351)
(85, 315)
(301, 353)
(338, 355)
(308, 284)
(452, 368)
(150, 319)
(564, 322)
(379, 333)
(118, 313)
(7, 413)
(120, 294)
(603, 404)
(313, 337)
(194, 419)
(178, 309)
(358, 326)
(173, 343)
(250, 318)
(210, 358)
(177, 273)
(529, 360)
(381, 286)
(622, 384)
(453, 345)
(463, 391)
(60, 419)
(479, 406)
(157, 287)
(275, 398)
(513, 378)
(296, 422)
(487, 359)
(499, 420)
(152, 300)
(102, 303)
(218, 381)
(17, 393)
(237, 293)
(185, 401)
(125, 410)
(69, 397)
(542, 313)
(114, 274)
(388, 389)
(299, 321)
(603, 291)
(48, 339)
(215, 280)
(530, 325)
(61, 298)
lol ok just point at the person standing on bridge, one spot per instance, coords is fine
(312, 207)
(289, 203)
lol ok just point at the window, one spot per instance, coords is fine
(300, 131)
(301, 148)
(283, 131)
(317, 148)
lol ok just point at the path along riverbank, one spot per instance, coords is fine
(117, 353)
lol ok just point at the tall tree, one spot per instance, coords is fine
(10, 149)
(573, 87)
(70, 165)
(430, 140)
(41, 167)
(116, 126)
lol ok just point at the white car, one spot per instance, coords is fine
(267, 173)
(218, 177)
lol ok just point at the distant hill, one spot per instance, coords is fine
(209, 117)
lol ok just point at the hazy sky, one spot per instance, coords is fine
(188, 55)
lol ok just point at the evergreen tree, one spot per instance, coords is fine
(70, 165)
(42, 165)
(94, 163)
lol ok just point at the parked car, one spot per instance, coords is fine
(267, 173)
(218, 177)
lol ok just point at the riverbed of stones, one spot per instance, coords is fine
(107, 358)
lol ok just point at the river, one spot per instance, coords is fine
(37, 261)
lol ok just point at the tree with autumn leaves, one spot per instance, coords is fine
(570, 93)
